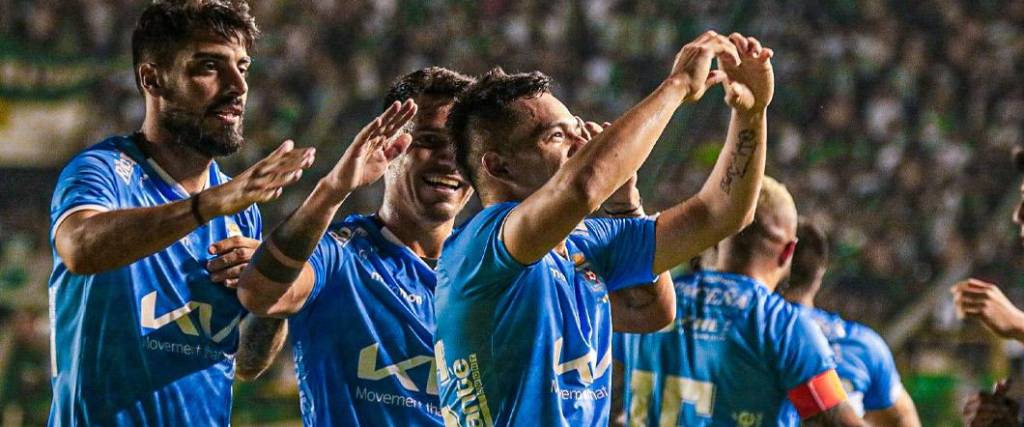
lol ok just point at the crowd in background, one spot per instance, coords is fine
(892, 124)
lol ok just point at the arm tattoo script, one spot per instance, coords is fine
(261, 339)
(739, 160)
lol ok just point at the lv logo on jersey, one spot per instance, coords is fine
(586, 365)
(180, 315)
(368, 369)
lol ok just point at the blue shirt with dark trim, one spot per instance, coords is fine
(151, 343)
(530, 345)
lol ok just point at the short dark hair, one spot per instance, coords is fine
(433, 81)
(166, 24)
(810, 256)
(485, 109)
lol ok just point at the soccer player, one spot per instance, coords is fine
(149, 235)
(360, 299)
(736, 350)
(863, 361)
(527, 288)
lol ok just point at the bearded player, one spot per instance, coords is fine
(527, 287)
(864, 362)
(149, 235)
(360, 299)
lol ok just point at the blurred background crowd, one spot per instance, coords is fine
(892, 125)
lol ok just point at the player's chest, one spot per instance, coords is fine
(383, 290)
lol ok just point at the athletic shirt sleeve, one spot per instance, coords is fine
(484, 259)
(326, 260)
(88, 182)
(885, 384)
(622, 250)
(798, 348)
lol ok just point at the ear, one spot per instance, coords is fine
(787, 253)
(151, 80)
(495, 166)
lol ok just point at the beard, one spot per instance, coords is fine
(189, 130)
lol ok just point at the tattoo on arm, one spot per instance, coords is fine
(739, 160)
(260, 341)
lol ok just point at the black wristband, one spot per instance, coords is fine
(195, 209)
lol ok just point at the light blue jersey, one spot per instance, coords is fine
(530, 345)
(364, 338)
(151, 343)
(864, 363)
(729, 358)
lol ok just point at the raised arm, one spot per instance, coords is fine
(91, 241)
(651, 306)
(726, 202)
(601, 166)
(280, 278)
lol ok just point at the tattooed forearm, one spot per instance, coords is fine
(260, 340)
(739, 160)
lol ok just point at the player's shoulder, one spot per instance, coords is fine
(489, 217)
(108, 152)
(862, 333)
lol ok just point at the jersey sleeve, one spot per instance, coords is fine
(622, 250)
(326, 262)
(885, 384)
(88, 182)
(477, 255)
(803, 359)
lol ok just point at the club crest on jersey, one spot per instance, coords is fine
(233, 229)
(341, 235)
(583, 268)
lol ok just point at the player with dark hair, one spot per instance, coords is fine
(863, 361)
(736, 351)
(360, 299)
(148, 234)
(527, 288)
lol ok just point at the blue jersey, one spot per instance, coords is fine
(864, 363)
(364, 338)
(530, 345)
(151, 343)
(729, 358)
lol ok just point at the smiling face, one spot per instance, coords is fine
(202, 94)
(424, 181)
(544, 138)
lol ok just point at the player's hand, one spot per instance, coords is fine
(692, 67)
(232, 255)
(749, 84)
(627, 197)
(376, 145)
(986, 302)
(992, 409)
(262, 182)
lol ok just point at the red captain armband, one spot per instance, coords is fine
(817, 395)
